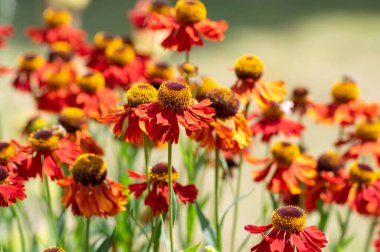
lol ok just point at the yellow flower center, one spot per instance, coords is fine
(30, 62)
(53, 250)
(102, 40)
(62, 50)
(120, 55)
(284, 153)
(56, 17)
(273, 112)
(345, 91)
(7, 151)
(190, 11)
(160, 7)
(141, 93)
(161, 70)
(89, 169)
(36, 123)
(249, 67)
(368, 130)
(174, 95)
(58, 79)
(206, 86)
(363, 174)
(300, 95)
(3, 175)
(44, 140)
(224, 101)
(91, 82)
(330, 161)
(159, 173)
(290, 219)
(72, 119)
(188, 69)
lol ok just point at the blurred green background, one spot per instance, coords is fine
(302, 42)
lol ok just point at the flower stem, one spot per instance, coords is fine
(216, 202)
(170, 182)
(53, 220)
(237, 195)
(370, 234)
(87, 236)
(324, 215)
(146, 156)
(19, 226)
(344, 228)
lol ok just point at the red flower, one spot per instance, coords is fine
(5, 31)
(26, 73)
(76, 125)
(48, 151)
(93, 97)
(150, 14)
(346, 106)
(330, 168)
(57, 28)
(249, 69)
(365, 141)
(287, 232)
(159, 72)
(89, 191)
(12, 188)
(123, 67)
(273, 121)
(355, 187)
(301, 101)
(190, 20)
(292, 168)
(12, 156)
(160, 120)
(158, 197)
(140, 93)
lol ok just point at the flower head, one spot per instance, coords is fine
(224, 101)
(288, 231)
(345, 91)
(206, 86)
(249, 67)
(160, 72)
(157, 198)
(160, 120)
(141, 93)
(12, 188)
(190, 11)
(89, 191)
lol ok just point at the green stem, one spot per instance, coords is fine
(87, 236)
(344, 228)
(52, 217)
(216, 202)
(370, 234)
(187, 57)
(19, 226)
(170, 182)
(157, 226)
(237, 195)
(324, 216)
(146, 156)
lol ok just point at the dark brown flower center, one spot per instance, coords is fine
(224, 101)
(289, 219)
(159, 173)
(329, 162)
(89, 169)
(3, 174)
(44, 140)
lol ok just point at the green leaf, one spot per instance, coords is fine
(61, 225)
(174, 206)
(201, 160)
(157, 234)
(193, 248)
(107, 243)
(190, 222)
(232, 205)
(340, 220)
(347, 241)
(208, 231)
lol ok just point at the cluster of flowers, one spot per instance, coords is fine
(79, 83)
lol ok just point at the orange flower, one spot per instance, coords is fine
(288, 232)
(272, 121)
(150, 14)
(160, 120)
(189, 20)
(94, 98)
(5, 31)
(57, 28)
(301, 101)
(12, 156)
(76, 125)
(330, 168)
(291, 169)
(248, 69)
(12, 188)
(159, 72)
(359, 189)
(364, 141)
(89, 191)
(345, 107)
(140, 93)
(231, 127)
